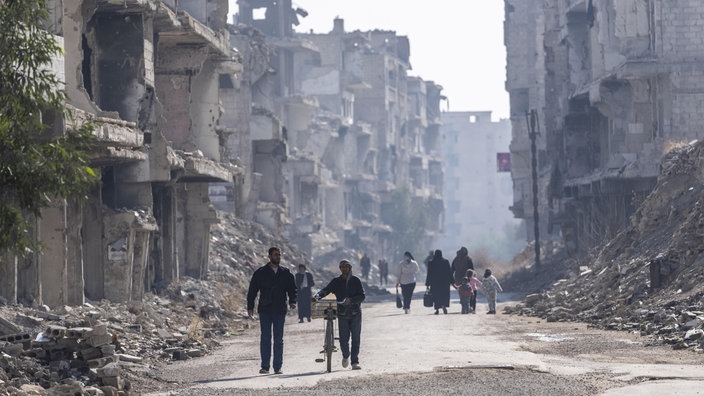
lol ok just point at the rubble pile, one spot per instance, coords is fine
(105, 348)
(86, 347)
(649, 278)
(69, 352)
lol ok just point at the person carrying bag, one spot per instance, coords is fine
(428, 298)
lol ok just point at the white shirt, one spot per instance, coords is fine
(407, 272)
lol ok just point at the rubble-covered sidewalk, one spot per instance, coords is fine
(648, 279)
(108, 348)
(104, 348)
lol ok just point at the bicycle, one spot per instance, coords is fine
(329, 313)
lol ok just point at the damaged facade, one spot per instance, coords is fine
(147, 73)
(336, 126)
(306, 134)
(616, 84)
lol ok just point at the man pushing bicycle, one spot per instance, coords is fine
(349, 293)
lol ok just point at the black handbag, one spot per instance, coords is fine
(399, 303)
(428, 299)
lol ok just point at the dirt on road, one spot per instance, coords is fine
(453, 354)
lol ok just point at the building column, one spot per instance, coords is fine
(74, 257)
(8, 277)
(53, 260)
(199, 215)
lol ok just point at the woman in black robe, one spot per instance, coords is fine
(439, 280)
(304, 284)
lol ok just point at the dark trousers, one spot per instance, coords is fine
(473, 302)
(350, 327)
(465, 302)
(269, 322)
(383, 279)
(303, 300)
(407, 293)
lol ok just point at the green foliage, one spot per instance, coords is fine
(37, 164)
(409, 221)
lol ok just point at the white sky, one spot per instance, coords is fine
(455, 43)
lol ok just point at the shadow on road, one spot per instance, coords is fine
(268, 376)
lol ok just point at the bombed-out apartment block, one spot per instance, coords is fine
(615, 85)
(147, 73)
(333, 107)
(307, 134)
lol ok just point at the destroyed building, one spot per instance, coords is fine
(336, 108)
(146, 73)
(614, 85)
(306, 134)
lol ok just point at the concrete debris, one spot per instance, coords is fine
(646, 280)
(104, 348)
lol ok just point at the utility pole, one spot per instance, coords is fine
(532, 120)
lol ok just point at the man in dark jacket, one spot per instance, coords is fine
(349, 292)
(366, 264)
(273, 283)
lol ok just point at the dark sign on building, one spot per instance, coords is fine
(503, 162)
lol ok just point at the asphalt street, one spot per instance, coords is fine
(394, 343)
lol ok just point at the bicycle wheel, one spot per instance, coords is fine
(329, 343)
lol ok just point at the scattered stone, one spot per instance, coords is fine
(648, 278)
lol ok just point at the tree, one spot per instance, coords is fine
(37, 164)
(409, 221)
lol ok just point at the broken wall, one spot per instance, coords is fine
(109, 247)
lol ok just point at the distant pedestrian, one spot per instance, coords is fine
(476, 284)
(439, 280)
(383, 272)
(406, 278)
(273, 283)
(427, 260)
(304, 283)
(365, 264)
(491, 287)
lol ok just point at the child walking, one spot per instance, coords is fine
(476, 284)
(491, 286)
(465, 291)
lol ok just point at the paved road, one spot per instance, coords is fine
(395, 343)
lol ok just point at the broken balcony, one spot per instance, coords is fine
(210, 12)
(117, 141)
(182, 29)
(197, 169)
(265, 125)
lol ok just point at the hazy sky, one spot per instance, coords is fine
(456, 43)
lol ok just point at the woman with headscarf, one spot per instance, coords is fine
(460, 264)
(406, 275)
(439, 280)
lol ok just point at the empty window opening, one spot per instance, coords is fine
(85, 66)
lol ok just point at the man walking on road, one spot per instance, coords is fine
(349, 293)
(366, 264)
(273, 283)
